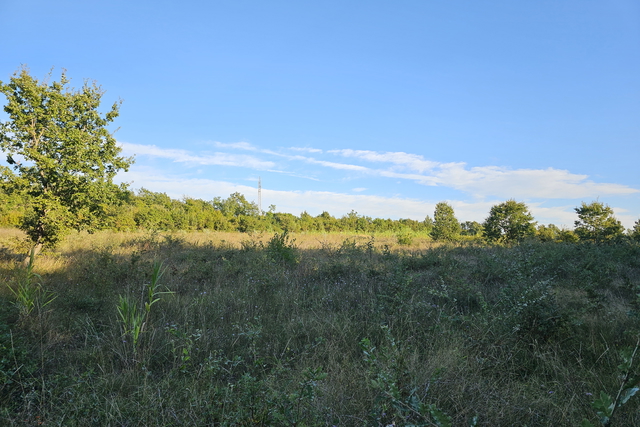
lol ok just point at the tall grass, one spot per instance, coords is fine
(319, 329)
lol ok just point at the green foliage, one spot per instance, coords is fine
(235, 205)
(597, 223)
(445, 226)
(134, 315)
(12, 208)
(471, 228)
(250, 339)
(29, 292)
(281, 247)
(405, 237)
(509, 222)
(634, 233)
(568, 236)
(61, 155)
(398, 402)
(548, 233)
(605, 405)
(17, 366)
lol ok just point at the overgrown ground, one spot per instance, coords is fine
(327, 330)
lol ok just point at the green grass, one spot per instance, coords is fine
(317, 330)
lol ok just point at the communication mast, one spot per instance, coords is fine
(259, 196)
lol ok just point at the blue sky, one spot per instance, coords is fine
(385, 108)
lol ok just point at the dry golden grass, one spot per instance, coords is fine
(109, 239)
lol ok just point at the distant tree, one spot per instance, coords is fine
(634, 233)
(382, 225)
(248, 223)
(408, 223)
(327, 223)
(349, 221)
(235, 205)
(11, 209)
(153, 210)
(287, 221)
(568, 236)
(60, 153)
(307, 222)
(428, 224)
(597, 223)
(510, 221)
(149, 198)
(471, 228)
(445, 225)
(548, 233)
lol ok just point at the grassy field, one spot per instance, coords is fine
(306, 330)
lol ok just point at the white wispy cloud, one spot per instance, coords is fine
(486, 181)
(409, 161)
(334, 165)
(235, 145)
(183, 156)
(306, 149)
(523, 183)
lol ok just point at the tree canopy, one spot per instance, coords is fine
(597, 223)
(60, 154)
(445, 224)
(510, 221)
(236, 205)
(634, 233)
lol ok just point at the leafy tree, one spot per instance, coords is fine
(150, 198)
(635, 231)
(382, 225)
(236, 205)
(510, 221)
(247, 223)
(349, 221)
(327, 222)
(596, 223)
(548, 233)
(445, 224)
(286, 222)
(412, 224)
(471, 228)
(427, 224)
(11, 209)
(568, 236)
(60, 153)
(307, 222)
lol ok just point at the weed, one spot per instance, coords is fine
(281, 247)
(398, 402)
(405, 238)
(134, 315)
(605, 405)
(29, 293)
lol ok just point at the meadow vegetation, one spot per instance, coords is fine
(213, 313)
(219, 328)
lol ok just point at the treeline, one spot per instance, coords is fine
(509, 221)
(147, 210)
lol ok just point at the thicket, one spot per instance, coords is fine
(147, 210)
(286, 329)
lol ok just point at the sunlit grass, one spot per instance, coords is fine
(262, 329)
